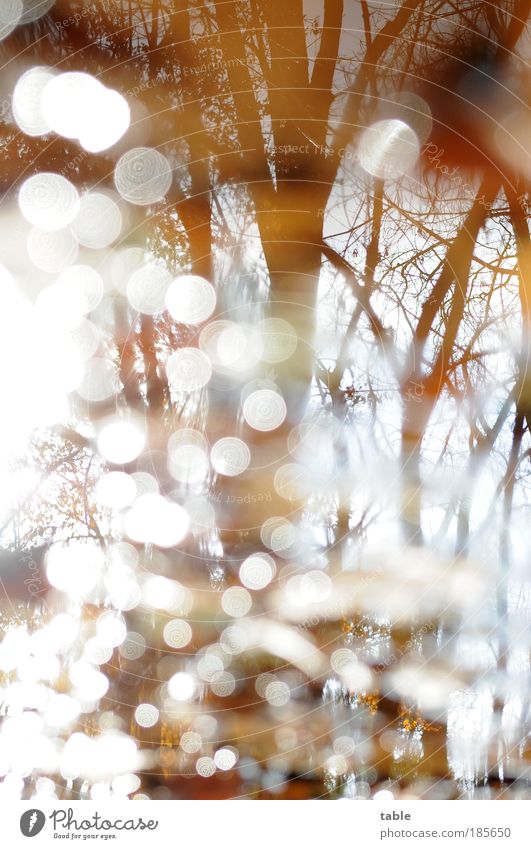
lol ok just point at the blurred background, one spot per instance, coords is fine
(265, 284)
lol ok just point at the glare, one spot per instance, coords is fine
(162, 593)
(110, 121)
(154, 519)
(77, 106)
(388, 149)
(100, 380)
(121, 442)
(181, 687)
(74, 567)
(225, 759)
(14, 648)
(115, 490)
(111, 629)
(82, 287)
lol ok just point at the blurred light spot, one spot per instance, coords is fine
(177, 633)
(143, 176)
(35, 9)
(181, 687)
(293, 482)
(341, 658)
(225, 759)
(120, 442)
(134, 646)
(279, 339)
(277, 693)
(257, 571)
(264, 410)
(126, 784)
(233, 640)
(413, 111)
(146, 289)
(190, 742)
(205, 767)
(388, 149)
(77, 291)
(230, 456)
(110, 121)
(223, 684)
(236, 602)
(344, 746)
(82, 285)
(188, 464)
(383, 796)
(123, 264)
(10, 14)
(115, 490)
(190, 299)
(111, 628)
(202, 515)
(278, 534)
(154, 519)
(188, 370)
(230, 347)
(209, 666)
(337, 765)
(27, 101)
(146, 715)
(48, 201)
(85, 337)
(98, 222)
(77, 106)
(61, 711)
(74, 567)
(100, 380)
(145, 483)
(51, 251)
(97, 652)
